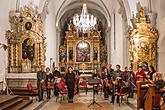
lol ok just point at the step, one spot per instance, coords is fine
(21, 105)
(7, 98)
(24, 97)
(21, 93)
(11, 104)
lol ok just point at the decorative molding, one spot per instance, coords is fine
(22, 76)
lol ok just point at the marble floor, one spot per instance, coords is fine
(81, 100)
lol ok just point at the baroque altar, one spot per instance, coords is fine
(26, 45)
(143, 41)
(26, 41)
(82, 51)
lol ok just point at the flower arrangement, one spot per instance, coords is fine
(50, 85)
(43, 85)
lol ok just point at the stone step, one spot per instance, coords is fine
(11, 104)
(21, 105)
(7, 99)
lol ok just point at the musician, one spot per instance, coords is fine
(140, 74)
(41, 77)
(77, 75)
(106, 82)
(56, 72)
(49, 82)
(110, 70)
(70, 82)
(96, 75)
(124, 74)
(117, 83)
(131, 82)
(151, 72)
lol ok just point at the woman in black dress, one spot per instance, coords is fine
(49, 82)
(96, 75)
(70, 82)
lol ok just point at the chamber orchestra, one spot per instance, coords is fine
(112, 83)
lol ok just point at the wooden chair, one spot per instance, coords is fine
(123, 92)
(62, 94)
(83, 86)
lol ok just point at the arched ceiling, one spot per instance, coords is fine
(71, 7)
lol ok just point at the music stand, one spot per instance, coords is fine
(94, 82)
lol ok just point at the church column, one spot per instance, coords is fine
(122, 12)
(57, 47)
(108, 35)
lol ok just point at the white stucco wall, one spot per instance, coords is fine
(4, 25)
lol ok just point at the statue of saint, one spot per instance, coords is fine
(62, 54)
(70, 53)
(95, 53)
(28, 49)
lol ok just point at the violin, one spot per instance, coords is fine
(108, 83)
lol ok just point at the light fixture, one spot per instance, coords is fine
(84, 22)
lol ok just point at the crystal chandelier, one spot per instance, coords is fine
(84, 22)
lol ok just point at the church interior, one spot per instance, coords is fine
(82, 54)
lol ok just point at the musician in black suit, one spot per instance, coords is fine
(41, 77)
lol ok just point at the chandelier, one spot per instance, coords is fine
(84, 22)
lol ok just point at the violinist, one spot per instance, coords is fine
(105, 76)
(140, 75)
(131, 82)
(49, 82)
(116, 78)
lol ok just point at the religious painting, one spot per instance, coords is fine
(83, 52)
(28, 49)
